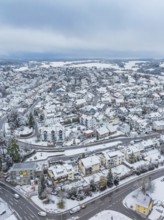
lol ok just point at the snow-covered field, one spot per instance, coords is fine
(87, 63)
(52, 207)
(109, 215)
(133, 64)
(97, 65)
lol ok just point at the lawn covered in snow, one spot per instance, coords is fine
(109, 215)
(156, 194)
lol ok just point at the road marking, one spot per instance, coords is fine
(32, 216)
(86, 213)
(32, 212)
(11, 203)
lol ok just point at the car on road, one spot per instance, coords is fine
(73, 218)
(16, 196)
(75, 209)
(43, 214)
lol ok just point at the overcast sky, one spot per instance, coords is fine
(83, 26)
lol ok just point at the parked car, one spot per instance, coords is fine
(42, 213)
(74, 210)
(83, 206)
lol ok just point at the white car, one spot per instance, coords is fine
(75, 209)
(16, 196)
(42, 214)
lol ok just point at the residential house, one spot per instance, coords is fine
(54, 133)
(89, 165)
(59, 173)
(112, 159)
(102, 132)
(137, 150)
(144, 204)
(158, 125)
(88, 133)
(23, 173)
(88, 121)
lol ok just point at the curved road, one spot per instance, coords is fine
(113, 200)
(110, 200)
(23, 207)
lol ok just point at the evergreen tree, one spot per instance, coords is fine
(42, 187)
(13, 150)
(116, 181)
(31, 121)
(132, 158)
(110, 178)
(93, 185)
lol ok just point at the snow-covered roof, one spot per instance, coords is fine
(102, 130)
(143, 200)
(115, 154)
(61, 170)
(90, 161)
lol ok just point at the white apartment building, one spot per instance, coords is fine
(54, 133)
(88, 121)
(112, 159)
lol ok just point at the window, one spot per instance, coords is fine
(60, 135)
(45, 135)
(53, 135)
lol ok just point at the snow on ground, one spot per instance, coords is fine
(158, 185)
(11, 217)
(72, 142)
(87, 141)
(120, 170)
(33, 140)
(27, 190)
(156, 195)
(161, 65)
(67, 63)
(25, 131)
(153, 155)
(98, 65)
(23, 68)
(139, 163)
(44, 155)
(53, 64)
(92, 148)
(8, 215)
(109, 215)
(52, 206)
(132, 64)
(95, 176)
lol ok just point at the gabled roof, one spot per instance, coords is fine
(143, 200)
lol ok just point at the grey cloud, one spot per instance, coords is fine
(62, 25)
